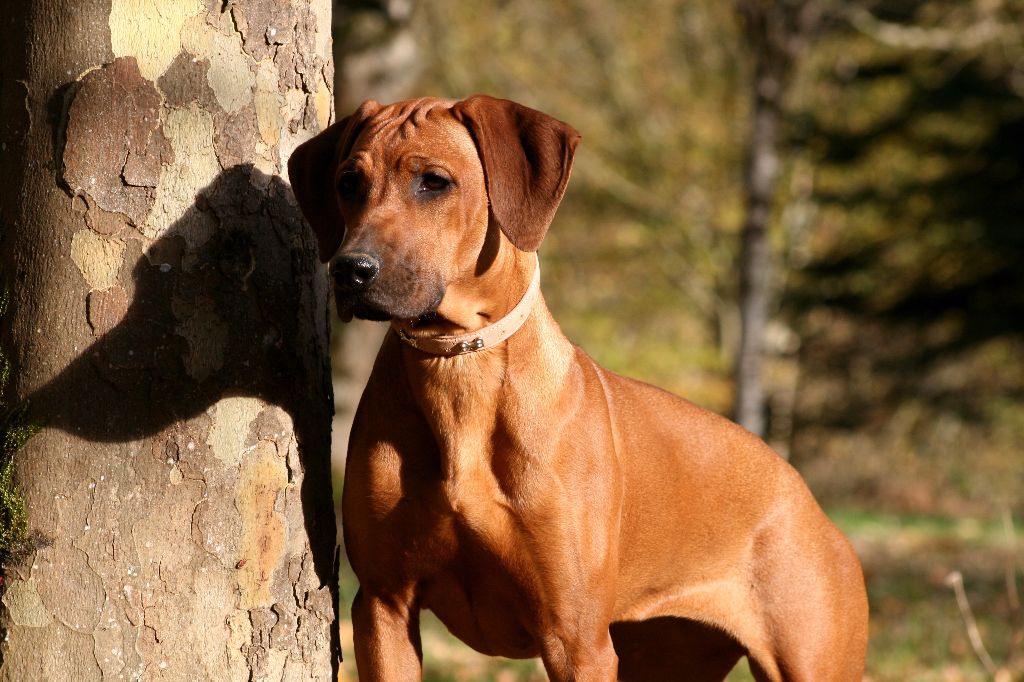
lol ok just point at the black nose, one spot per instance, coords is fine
(354, 271)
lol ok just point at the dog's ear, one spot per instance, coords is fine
(527, 157)
(311, 170)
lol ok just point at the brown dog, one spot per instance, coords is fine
(538, 504)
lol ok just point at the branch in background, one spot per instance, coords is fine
(972, 37)
(956, 581)
(986, 31)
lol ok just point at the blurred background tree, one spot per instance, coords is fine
(891, 252)
(376, 56)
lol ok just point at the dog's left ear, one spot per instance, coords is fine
(311, 170)
(527, 157)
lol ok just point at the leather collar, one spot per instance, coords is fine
(486, 337)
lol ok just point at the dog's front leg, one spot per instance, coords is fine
(580, 656)
(387, 639)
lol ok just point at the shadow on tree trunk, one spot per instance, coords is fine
(219, 307)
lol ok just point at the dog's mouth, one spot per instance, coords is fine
(350, 307)
(365, 312)
(365, 307)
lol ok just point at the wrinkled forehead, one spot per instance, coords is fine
(424, 126)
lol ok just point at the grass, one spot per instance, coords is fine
(917, 632)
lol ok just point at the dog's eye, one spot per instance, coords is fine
(432, 182)
(348, 184)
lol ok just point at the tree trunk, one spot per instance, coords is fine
(169, 331)
(375, 51)
(777, 32)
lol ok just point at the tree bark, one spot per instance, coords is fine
(169, 331)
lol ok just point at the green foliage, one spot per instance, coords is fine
(14, 433)
(907, 290)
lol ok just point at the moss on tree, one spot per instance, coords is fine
(14, 432)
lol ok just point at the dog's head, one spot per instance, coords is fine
(407, 198)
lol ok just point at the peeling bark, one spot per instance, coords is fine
(114, 146)
(170, 333)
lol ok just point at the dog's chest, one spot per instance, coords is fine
(485, 602)
(460, 543)
(485, 590)
(473, 499)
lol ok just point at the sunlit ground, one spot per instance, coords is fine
(917, 629)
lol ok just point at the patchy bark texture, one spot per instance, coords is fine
(170, 333)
